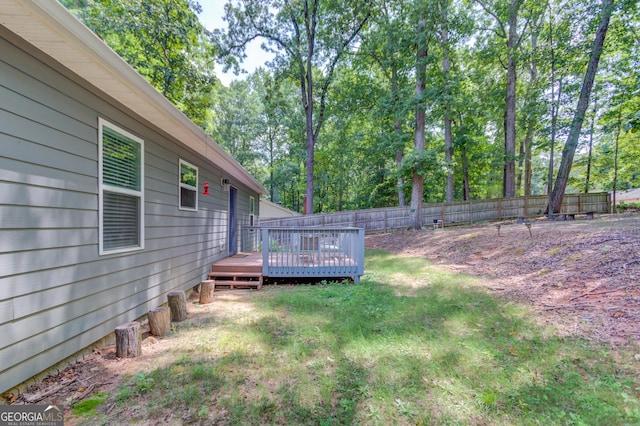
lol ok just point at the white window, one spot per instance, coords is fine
(121, 189)
(188, 186)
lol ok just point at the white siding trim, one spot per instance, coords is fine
(101, 188)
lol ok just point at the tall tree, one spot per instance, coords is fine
(590, 150)
(446, 70)
(386, 42)
(417, 188)
(557, 194)
(507, 29)
(312, 35)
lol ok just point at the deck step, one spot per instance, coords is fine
(228, 273)
(239, 283)
(243, 269)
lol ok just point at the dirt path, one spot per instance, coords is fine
(581, 276)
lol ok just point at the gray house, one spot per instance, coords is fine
(109, 196)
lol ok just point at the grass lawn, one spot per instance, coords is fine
(410, 344)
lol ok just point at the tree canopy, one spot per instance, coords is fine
(386, 102)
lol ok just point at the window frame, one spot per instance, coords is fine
(186, 186)
(102, 187)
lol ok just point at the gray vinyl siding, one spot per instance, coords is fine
(58, 295)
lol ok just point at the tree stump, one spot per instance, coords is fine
(159, 321)
(177, 305)
(206, 291)
(129, 340)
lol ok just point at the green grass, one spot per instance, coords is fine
(89, 407)
(411, 344)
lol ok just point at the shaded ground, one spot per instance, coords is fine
(582, 277)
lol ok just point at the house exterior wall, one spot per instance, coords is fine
(269, 210)
(58, 295)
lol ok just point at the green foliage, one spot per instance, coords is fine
(364, 105)
(89, 406)
(163, 40)
(623, 207)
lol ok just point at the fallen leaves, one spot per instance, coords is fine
(564, 270)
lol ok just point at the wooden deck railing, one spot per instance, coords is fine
(307, 252)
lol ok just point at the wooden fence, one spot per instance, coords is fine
(458, 213)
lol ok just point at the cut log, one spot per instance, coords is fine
(177, 305)
(206, 291)
(159, 321)
(129, 340)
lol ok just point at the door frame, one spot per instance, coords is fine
(232, 227)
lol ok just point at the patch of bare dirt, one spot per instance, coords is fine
(582, 276)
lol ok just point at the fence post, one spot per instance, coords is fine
(385, 220)
(580, 203)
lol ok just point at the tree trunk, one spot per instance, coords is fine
(585, 94)
(528, 170)
(417, 189)
(207, 288)
(528, 139)
(397, 129)
(448, 138)
(519, 170)
(509, 184)
(593, 122)
(465, 172)
(554, 109)
(128, 340)
(401, 198)
(615, 161)
(271, 172)
(178, 306)
(311, 142)
(159, 321)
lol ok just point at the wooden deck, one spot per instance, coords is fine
(242, 270)
(296, 253)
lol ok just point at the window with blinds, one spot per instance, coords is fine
(188, 186)
(121, 183)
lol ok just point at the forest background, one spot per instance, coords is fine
(376, 103)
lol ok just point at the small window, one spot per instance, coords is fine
(188, 186)
(121, 189)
